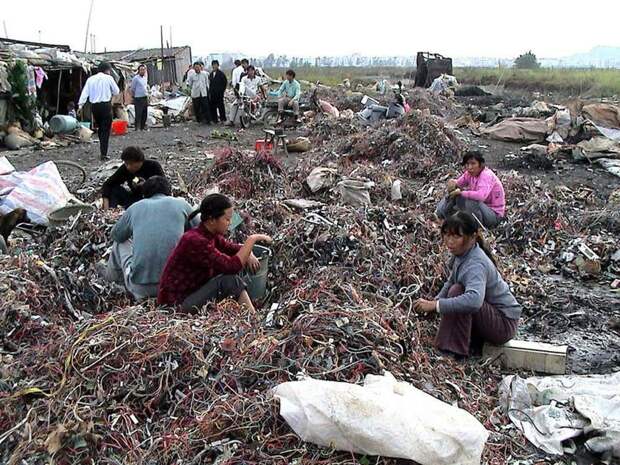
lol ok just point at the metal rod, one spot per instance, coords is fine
(6, 34)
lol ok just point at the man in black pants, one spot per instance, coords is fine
(139, 90)
(217, 87)
(124, 187)
(99, 90)
(199, 85)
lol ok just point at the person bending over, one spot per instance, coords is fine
(144, 237)
(478, 191)
(124, 187)
(475, 304)
(205, 266)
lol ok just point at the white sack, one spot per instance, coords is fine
(384, 417)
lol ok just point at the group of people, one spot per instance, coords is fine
(206, 89)
(207, 92)
(99, 90)
(164, 248)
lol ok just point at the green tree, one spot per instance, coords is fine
(527, 61)
(23, 102)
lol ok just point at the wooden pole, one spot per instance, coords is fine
(90, 13)
(58, 96)
(163, 68)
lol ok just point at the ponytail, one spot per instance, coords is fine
(193, 214)
(485, 247)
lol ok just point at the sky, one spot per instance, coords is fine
(457, 28)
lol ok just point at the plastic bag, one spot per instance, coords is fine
(320, 178)
(553, 409)
(39, 191)
(384, 417)
(355, 192)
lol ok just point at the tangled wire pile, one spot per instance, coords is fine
(244, 174)
(438, 105)
(85, 377)
(144, 386)
(420, 143)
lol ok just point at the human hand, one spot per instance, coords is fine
(253, 263)
(455, 193)
(425, 306)
(290, 103)
(261, 238)
(452, 185)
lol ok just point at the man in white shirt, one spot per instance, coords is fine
(139, 89)
(236, 74)
(199, 85)
(251, 84)
(99, 90)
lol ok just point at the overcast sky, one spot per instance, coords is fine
(551, 28)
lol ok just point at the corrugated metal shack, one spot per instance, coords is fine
(169, 71)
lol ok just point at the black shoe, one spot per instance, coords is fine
(105, 158)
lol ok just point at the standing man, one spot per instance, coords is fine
(99, 90)
(236, 75)
(289, 94)
(139, 90)
(217, 87)
(199, 85)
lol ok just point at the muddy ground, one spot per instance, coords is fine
(586, 316)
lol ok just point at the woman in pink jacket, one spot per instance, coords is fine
(478, 191)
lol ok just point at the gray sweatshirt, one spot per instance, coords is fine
(156, 226)
(482, 282)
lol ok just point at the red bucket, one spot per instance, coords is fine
(263, 146)
(119, 127)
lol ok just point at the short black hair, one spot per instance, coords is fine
(156, 185)
(251, 67)
(245, 60)
(141, 65)
(215, 62)
(237, 62)
(132, 153)
(104, 66)
(473, 155)
(197, 63)
(290, 72)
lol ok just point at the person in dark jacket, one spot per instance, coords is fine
(217, 87)
(124, 187)
(475, 304)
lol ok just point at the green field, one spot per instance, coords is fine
(576, 82)
(582, 82)
(334, 76)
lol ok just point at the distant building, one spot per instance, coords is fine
(175, 62)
